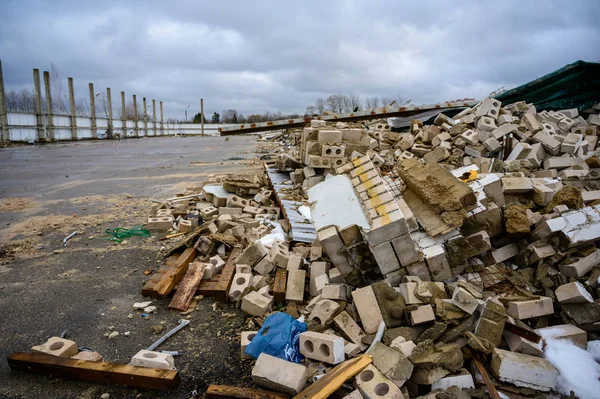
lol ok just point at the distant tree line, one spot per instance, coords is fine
(335, 103)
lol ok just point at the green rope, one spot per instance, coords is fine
(120, 233)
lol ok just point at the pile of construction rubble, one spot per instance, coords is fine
(472, 242)
(444, 260)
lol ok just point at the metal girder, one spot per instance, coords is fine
(377, 113)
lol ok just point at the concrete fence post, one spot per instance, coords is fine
(39, 113)
(93, 112)
(135, 117)
(162, 122)
(123, 114)
(5, 132)
(145, 117)
(110, 114)
(202, 114)
(50, 121)
(74, 135)
(154, 117)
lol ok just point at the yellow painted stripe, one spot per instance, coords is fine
(364, 177)
(367, 185)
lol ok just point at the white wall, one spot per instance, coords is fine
(23, 127)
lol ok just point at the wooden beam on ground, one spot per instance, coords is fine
(332, 380)
(148, 289)
(221, 291)
(477, 359)
(224, 391)
(279, 285)
(102, 372)
(174, 274)
(187, 288)
(378, 113)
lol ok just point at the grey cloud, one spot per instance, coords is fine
(280, 56)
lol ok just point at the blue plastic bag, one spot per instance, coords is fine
(279, 337)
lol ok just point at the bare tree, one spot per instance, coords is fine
(170, 120)
(386, 101)
(373, 102)
(355, 102)
(130, 112)
(20, 101)
(60, 98)
(102, 104)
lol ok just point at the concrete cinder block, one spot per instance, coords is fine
(387, 232)
(373, 384)
(336, 292)
(392, 363)
(57, 346)
(279, 254)
(264, 267)
(405, 250)
(154, 360)
(565, 331)
(573, 293)
(279, 374)
(367, 308)
(322, 347)
(335, 276)
(252, 254)
(256, 304)
(240, 282)
(160, 223)
(437, 262)
(245, 340)
(524, 370)
(386, 257)
(330, 136)
(332, 244)
(323, 311)
(532, 308)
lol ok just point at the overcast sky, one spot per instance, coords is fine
(255, 56)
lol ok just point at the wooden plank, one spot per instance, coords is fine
(221, 291)
(171, 236)
(187, 288)
(522, 332)
(102, 372)
(207, 288)
(148, 289)
(224, 391)
(334, 379)
(174, 274)
(279, 285)
(486, 378)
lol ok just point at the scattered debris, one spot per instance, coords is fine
(459, 256)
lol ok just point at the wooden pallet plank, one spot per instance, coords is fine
(224, 391)
(334, 379)
(187, 288)
(175, 273)
(279, 285)
(221, 291)
(102, 372)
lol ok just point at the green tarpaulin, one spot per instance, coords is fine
(576, 85)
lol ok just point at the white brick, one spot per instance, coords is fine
(524, 370)
(532, 308)
(573, 293)
(386, 257)
(372, 384)
(322, 347)
(279, 374)
(423, 314)
(154, 360)
(367, 308)
(463, 380)
(256, 304)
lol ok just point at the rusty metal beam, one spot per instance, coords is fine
(386, 112)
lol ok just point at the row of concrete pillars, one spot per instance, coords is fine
(46, 127)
